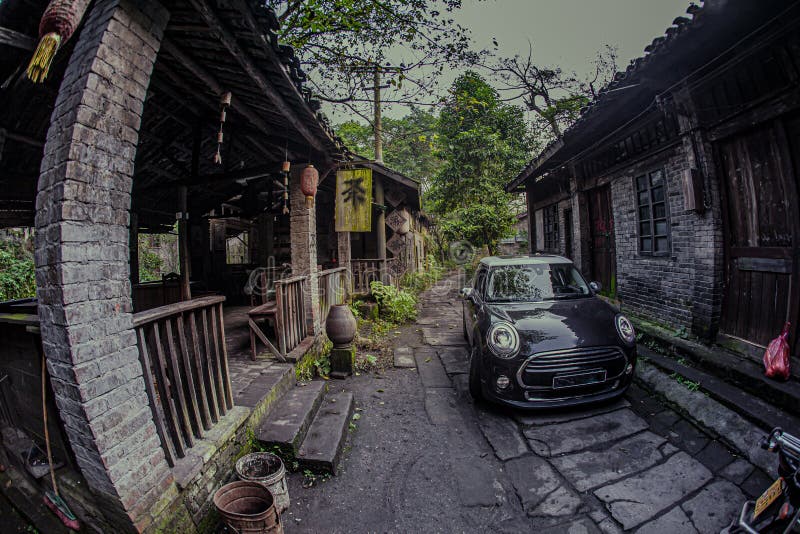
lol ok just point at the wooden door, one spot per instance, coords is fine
(760, 234)
(601, 239)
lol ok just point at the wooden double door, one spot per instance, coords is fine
(760, 170)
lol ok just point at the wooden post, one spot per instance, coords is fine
(380, 222)
(183, 242)
(377, 129)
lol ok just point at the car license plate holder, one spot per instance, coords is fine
(768, 497)
(583, 378)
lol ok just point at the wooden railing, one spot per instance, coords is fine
(364, 272)
(333, 288)
(290, 317)
(182, 350)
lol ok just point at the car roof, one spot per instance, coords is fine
(524, 259)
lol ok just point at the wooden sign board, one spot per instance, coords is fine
(354, 200)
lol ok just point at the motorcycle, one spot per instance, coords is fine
(778, 508)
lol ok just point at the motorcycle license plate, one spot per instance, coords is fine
(768, 497)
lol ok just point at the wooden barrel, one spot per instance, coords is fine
(248, 507)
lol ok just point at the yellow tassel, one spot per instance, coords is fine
(43, 57)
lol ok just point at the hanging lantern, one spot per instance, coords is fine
(308, 184)
(56, 27)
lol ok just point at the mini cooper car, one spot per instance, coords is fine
(539, 336)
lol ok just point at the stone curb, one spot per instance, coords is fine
(732, 428)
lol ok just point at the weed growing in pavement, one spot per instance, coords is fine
(311, 479)
(396, 305)
(688, 384)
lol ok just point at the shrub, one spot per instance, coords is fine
(396, 305)
(417, 282)
(17, 272)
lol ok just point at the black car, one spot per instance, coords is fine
(540, 337)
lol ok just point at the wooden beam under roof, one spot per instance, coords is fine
(16, 39)
(245, 61)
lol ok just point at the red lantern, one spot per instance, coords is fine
(309, 179)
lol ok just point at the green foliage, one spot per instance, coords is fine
(17, 271)
(149, 266)
(396, 305)
(483, 143)
(685, 382)
(315, 362)
(418, 281)
(408, 143)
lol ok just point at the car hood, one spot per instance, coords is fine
(562, 324)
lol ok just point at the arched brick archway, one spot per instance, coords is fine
(82, 270)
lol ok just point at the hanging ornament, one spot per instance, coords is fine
(285, 169)
(309, 179)
(56, 27)
(224, 103)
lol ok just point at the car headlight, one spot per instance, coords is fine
(503, 340)
(625, 329)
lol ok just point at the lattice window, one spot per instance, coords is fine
(651, 200)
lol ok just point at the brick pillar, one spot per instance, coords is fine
(344, 256)
(82, 255)
(303, 237)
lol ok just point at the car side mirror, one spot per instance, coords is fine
(467, 292)
(595, 286)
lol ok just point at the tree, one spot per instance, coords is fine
(483, 143)
(555, 96)
(408, 143)
(342, 42)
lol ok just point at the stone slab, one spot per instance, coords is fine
(404, 357)
(738, 471)
(286, 425)
(638, 499)
(431, 372)
(539, 487)
(322, 446)
(673, 521)
(561, 438)
(273, 380)
(455, 361)
(591, 469)
(443, 338)
(563, 416)
(581, 525)
(440, 405)
(502, 434)
(713, 508)
(476, 481)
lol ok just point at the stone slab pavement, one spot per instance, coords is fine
(422, 457)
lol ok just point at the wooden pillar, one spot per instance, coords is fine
(133, 245)
(183, 243)
(380, 229)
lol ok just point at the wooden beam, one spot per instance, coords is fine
(16, 39)
(183, 244)
(205, 77)
(245, 61)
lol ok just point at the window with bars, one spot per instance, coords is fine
(651, 199)
(550, 223)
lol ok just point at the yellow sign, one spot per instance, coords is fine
(354, 200)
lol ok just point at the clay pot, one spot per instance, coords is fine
(340, 325)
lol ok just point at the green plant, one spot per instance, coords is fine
(688, 384)
(17, 272)
(396, 305)
(315, 362)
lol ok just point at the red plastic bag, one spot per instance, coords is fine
(776, 357)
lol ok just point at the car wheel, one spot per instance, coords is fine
(475, 389)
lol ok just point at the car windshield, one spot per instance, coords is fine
(526, 283)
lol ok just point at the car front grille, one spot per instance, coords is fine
(539, 370)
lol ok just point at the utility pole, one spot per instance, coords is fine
(377, 128)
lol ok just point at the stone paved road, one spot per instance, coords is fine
(424, 458)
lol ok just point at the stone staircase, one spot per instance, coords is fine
(309, 424)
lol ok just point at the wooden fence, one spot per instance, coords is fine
(364, 272)
(290, 317)
(182, 350)
(333, 289)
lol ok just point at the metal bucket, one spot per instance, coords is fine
(266, 469)
(248, 507)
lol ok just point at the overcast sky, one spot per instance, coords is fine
(567, 33)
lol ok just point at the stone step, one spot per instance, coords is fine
(261, 394)
(322, 448)
(288, 422)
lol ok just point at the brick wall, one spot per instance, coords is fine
(677, 289)
(82, 253)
